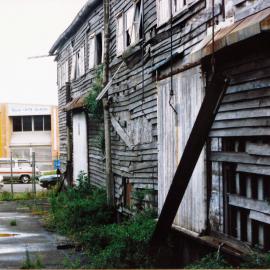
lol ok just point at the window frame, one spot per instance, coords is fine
(128, 29)
(172, 9)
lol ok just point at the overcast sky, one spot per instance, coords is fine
(29, 28)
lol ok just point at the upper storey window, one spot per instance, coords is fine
(166, 8)
(95, 47)
(129, 27)
(78, 64)
(63, 74)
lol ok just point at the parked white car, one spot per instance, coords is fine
(21, 169)
(1, 181)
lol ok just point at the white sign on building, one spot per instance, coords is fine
(23, 109)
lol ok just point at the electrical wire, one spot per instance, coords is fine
(171, 64)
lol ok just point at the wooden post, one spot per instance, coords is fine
(69, 166)
(109, 176)
(198, 136)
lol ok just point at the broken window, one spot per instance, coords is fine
(99, 48)
(78, 64)
(129, 27)
(95, 44)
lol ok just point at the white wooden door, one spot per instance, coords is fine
(80, 159)
(173, 133)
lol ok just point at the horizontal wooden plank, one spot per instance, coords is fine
(243, 158)
(255, 169)
(241, 132)
(260, 149)
(258, 122)
(255, 103)
(243, 202)
(244, 114)
(259, 217)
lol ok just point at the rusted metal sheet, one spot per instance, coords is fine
(239, 31)
(76, 103)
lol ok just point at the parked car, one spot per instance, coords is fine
(21, 169)
(1, 181)
(48, 181)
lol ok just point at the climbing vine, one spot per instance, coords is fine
(93, 106)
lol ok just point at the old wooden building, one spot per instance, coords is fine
(78, 54)
(162, 55)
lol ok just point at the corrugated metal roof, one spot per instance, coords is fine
(76, 103)
(246, 28)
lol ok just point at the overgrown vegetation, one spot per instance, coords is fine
(7, 196)
(257, 260)
(210, 261)
(31, 264)
(82, 213)
(93, 106)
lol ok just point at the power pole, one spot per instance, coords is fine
(109, 175)
(34, 174)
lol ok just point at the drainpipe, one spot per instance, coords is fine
(109, 175)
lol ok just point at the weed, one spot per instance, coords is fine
(29, 264)
(13, 222)
(83, 214)
(210, 261)
(72, 264)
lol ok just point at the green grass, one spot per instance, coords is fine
(13, 222)
(30, 263)
(23, 196)
(48, 173)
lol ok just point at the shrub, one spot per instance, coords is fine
(80, 207)
(82, 213)
(210, 261)
(93, 106)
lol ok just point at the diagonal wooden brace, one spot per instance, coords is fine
(198, 136)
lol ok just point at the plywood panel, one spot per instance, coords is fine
(173, 132)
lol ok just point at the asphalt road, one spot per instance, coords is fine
(21, 187)
(28, 234)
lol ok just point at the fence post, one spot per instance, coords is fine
(11, 174)
(34, 174)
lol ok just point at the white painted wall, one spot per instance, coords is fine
(31, 138)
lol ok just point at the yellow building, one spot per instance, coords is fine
(25, 129)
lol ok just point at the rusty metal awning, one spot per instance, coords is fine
(76, 103)
(241, 30)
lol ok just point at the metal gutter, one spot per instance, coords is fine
(76, 23)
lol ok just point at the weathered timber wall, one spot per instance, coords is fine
(79, 87)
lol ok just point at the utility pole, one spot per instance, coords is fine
(109, 175)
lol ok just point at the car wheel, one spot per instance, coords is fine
(25, 179)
